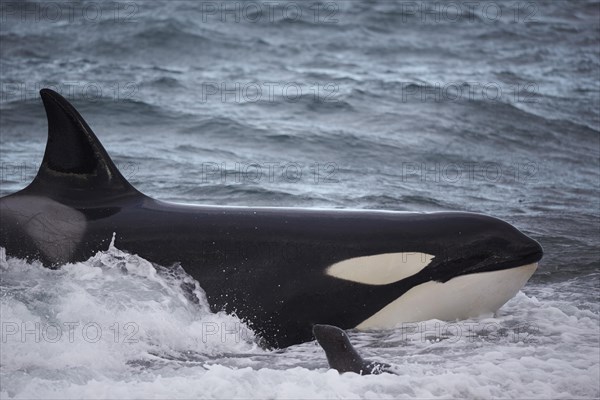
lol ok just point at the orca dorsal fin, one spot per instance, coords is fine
(75, 162)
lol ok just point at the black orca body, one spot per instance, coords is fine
(342, 356)
(282, 270)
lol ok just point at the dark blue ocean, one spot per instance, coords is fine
(488, 107)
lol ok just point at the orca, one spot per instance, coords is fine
(342, 356)
(282, 270)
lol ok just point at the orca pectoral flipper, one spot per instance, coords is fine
(342, 356)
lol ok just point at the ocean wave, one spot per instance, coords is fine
(241, 194)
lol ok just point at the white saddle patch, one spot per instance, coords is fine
(55, 228)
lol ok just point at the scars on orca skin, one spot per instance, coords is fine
(342, 356)
(279, 269)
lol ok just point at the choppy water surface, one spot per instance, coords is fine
(390, 105)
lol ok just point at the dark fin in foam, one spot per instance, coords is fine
(341, 355)
(75, 164)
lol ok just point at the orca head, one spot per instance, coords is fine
(449, 266)
(439, 247)
(475, 243)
